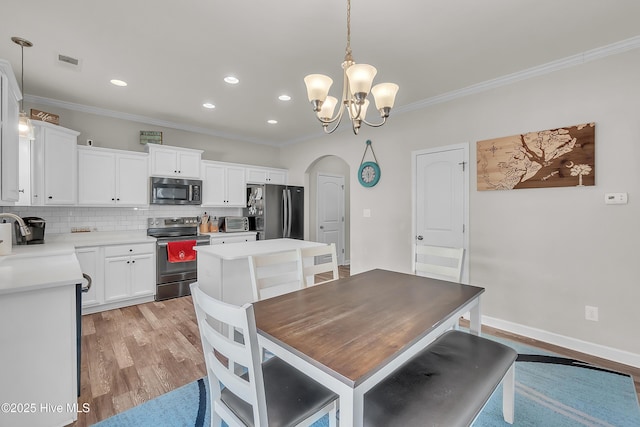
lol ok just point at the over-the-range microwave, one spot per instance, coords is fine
(175, 191)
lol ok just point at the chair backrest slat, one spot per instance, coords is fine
(439, 262)
(275, 274)
(319, 260)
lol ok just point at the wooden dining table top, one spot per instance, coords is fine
(353, 326)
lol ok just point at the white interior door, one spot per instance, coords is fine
(441, 198)
(331, 212)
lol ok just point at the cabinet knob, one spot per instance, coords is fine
(50, 197)
(112, 199)
(118, 199)
(130, 250)
(133, 262)
(127, 262)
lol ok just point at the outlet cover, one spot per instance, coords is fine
(591, 313)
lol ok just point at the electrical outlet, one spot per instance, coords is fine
(591, 313)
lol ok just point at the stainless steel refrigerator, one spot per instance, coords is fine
(276, 210)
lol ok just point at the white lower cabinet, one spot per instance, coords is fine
(129, 271)
(121, 275)
(222, 238)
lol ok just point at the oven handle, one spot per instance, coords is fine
(198, 242)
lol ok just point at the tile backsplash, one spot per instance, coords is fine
(64, 219)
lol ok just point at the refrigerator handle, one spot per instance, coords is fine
(285, 213)
(290, 213)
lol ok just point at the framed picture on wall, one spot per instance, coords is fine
(150, 137)
(563, 157)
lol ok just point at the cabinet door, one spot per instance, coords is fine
(132, 180)
(60, 170)
(258, 176)
(236, 187)
(9, 145)
(213, 185)
(89, 259)
(96, 177)
(189, 164)
(164, 162)
(117, 278)
(143, 279)
(277, 177)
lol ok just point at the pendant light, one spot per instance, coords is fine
(357, 79)
(25, 128)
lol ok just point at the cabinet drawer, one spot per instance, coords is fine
(135, 249)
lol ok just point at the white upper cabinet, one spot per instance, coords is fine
(9, 97)
(54, 165)
(223, 184)
(258, 175)
(174, 161)
(112, 177)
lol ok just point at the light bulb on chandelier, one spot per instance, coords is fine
(358, 79)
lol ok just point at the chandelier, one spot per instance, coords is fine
(25, 128)
(358, 79)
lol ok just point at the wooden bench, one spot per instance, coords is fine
(446, 385)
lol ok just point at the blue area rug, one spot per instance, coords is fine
(550, 391)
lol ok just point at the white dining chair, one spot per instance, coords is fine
(239, 397)
(319, 260)
(275, 274)
(439, 262)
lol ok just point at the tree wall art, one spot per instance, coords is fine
(563, 157)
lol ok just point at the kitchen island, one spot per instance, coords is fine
(223, 270)
(38, 361)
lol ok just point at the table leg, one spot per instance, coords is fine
(475, 319)
(351, 409)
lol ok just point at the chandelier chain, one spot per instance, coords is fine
(348, 28)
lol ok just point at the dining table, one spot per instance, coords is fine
(351, 333)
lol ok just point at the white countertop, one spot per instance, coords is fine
(100, 238)
(32, 267)
(241, 250)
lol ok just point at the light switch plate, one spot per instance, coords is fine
(616, 198)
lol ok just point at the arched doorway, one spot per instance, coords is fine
(323, 175)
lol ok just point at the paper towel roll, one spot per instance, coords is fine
(5, 237)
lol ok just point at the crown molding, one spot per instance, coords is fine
(529, 73)
(139, 119)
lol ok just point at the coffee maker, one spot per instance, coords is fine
(36, 226)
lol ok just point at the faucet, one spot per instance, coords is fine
(24, 230)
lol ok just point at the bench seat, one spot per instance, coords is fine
(446, 385)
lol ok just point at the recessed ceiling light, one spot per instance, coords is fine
(231, 80)
(284, 98)
(272, 122)
(208, 105)
(117, 82)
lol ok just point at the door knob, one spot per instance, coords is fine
(322, 227)
(420, 237)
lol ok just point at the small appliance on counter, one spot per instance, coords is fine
(231, 224)
(36, 226)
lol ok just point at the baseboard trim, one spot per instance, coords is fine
(609, 353)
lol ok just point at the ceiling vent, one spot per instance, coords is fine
(68, 60)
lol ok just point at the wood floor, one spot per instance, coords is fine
(134, 354)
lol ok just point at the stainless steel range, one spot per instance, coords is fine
(173, 278)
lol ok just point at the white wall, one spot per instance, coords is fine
(122, 134)
(541, 254)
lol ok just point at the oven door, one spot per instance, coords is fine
(173, 275)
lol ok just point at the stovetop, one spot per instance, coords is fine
(172, 226)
